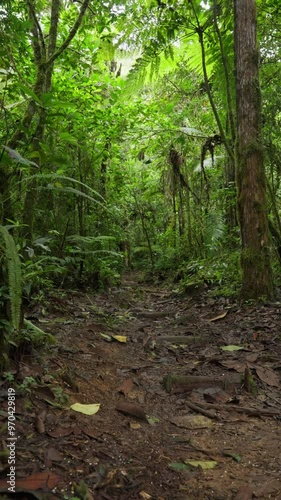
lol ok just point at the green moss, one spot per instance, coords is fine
(252, 148)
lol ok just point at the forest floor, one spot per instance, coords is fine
(179, 417)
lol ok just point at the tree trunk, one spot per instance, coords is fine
(230, 199)
(251, 181)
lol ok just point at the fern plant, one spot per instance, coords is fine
(14, 277)
(214, 232)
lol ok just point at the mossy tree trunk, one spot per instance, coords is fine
(251, 181)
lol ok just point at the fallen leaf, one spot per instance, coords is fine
(220, 316)
(91, 434)
(54, 455)
(235, 456)
(215, 395)
(39, 425)
(119, 338)
(86, 409)
(252, 357)
(192, 421)
(145, 495)
(204, 464)
(135, 425)
(231, 348)
(126, 386)
(108, 338)
(233, 364)
(60, 432)
(267, 376)
(152, 420)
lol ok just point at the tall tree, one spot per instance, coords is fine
(251, 181)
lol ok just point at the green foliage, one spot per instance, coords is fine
(34, 335)
(61, 397)
(219, 273)
(25, 386)
(13, 266)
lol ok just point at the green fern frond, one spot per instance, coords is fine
(214, 230)
(76, 238)
(79, 251)
(14, 276)
(64, 178)
(68, 189)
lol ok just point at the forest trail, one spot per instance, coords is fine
(204, 432)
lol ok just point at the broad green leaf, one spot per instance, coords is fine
(70, 139)
(86, 409)
(29, 92)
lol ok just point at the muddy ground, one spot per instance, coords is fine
(179, 417)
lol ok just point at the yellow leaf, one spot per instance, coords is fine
(145, 495)
(135, 425)
(205, 464)
(220, 316)
(86, 409)
(119, 338)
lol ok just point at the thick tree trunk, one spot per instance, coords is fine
(251, 181)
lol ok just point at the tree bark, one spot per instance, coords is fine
(251, 181)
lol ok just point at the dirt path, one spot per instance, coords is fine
(148, 440)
